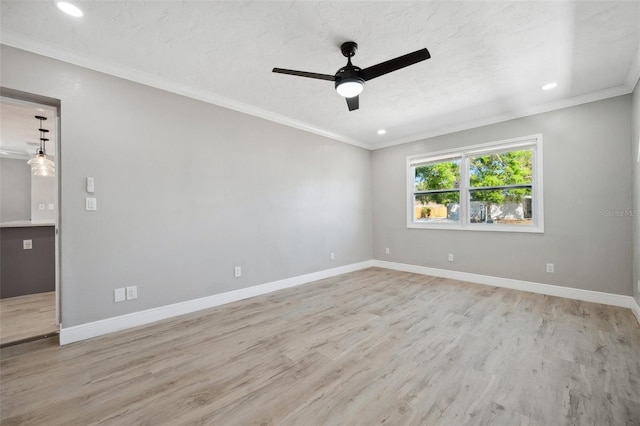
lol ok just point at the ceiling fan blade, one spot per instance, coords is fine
(395, 64)
(305, 74)
(353, 103)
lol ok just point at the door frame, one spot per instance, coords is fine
(51, 104)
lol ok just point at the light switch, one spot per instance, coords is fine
(91, 204)
(90, 185)
(52, 206)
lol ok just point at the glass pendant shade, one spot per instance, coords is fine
(40, 164)
(44, 171)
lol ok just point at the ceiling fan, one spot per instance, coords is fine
(350, 78)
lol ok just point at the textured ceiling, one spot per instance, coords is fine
(489, 59)
(19, 134)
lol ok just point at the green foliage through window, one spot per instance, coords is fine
(492, 183)
(499, 170)
(437, 176)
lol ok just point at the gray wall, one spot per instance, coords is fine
(186, 191)
(15, 190)
(586, 172)
(635, 159)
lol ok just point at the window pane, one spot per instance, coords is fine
(501, 168)
(440, 175)
(505, 206)
(442, 207)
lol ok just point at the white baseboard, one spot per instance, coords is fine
(635, 308)
(550, 290)
(135, 319)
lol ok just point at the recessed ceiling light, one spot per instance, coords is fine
(550, 86)
(382, 131)
(69, 9)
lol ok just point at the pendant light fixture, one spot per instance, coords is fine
(40, 164)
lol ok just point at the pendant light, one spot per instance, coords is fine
(40, 164)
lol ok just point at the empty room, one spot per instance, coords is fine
(319, 213)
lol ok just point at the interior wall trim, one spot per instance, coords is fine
(532, 287)
(135, 319)
(635, 308)
(12, 39)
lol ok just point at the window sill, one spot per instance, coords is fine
(483, 228)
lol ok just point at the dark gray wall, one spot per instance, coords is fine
(15, 190)
(587, 173)
(186, 191)
(26, 271)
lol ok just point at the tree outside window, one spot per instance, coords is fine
(497, 185)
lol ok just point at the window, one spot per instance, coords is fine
(489, 187)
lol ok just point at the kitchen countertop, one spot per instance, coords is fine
(24, 224)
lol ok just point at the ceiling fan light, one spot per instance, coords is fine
(350, 87)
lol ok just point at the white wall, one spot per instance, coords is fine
(15, 190)
(186, 191)
(586, 171)
(43, 194)
(635, 160)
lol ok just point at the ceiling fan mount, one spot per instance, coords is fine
(349, 80)
(349, 49)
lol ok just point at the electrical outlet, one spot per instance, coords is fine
(387, 251)
(237, 271)
(333, 256)
(450, 257)
(550, 268)
(132, 292)
(27, 244)
(119, 295)
(41, 206)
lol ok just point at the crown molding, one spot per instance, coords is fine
(18, 41)
(633, 75)
(538, 109)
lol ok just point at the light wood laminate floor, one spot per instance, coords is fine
(370, 347)
(25, 317)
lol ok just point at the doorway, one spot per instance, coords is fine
(29, 217)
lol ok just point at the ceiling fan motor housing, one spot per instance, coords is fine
(348, 74)
(349, 80)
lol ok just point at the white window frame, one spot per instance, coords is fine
(533, 141)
